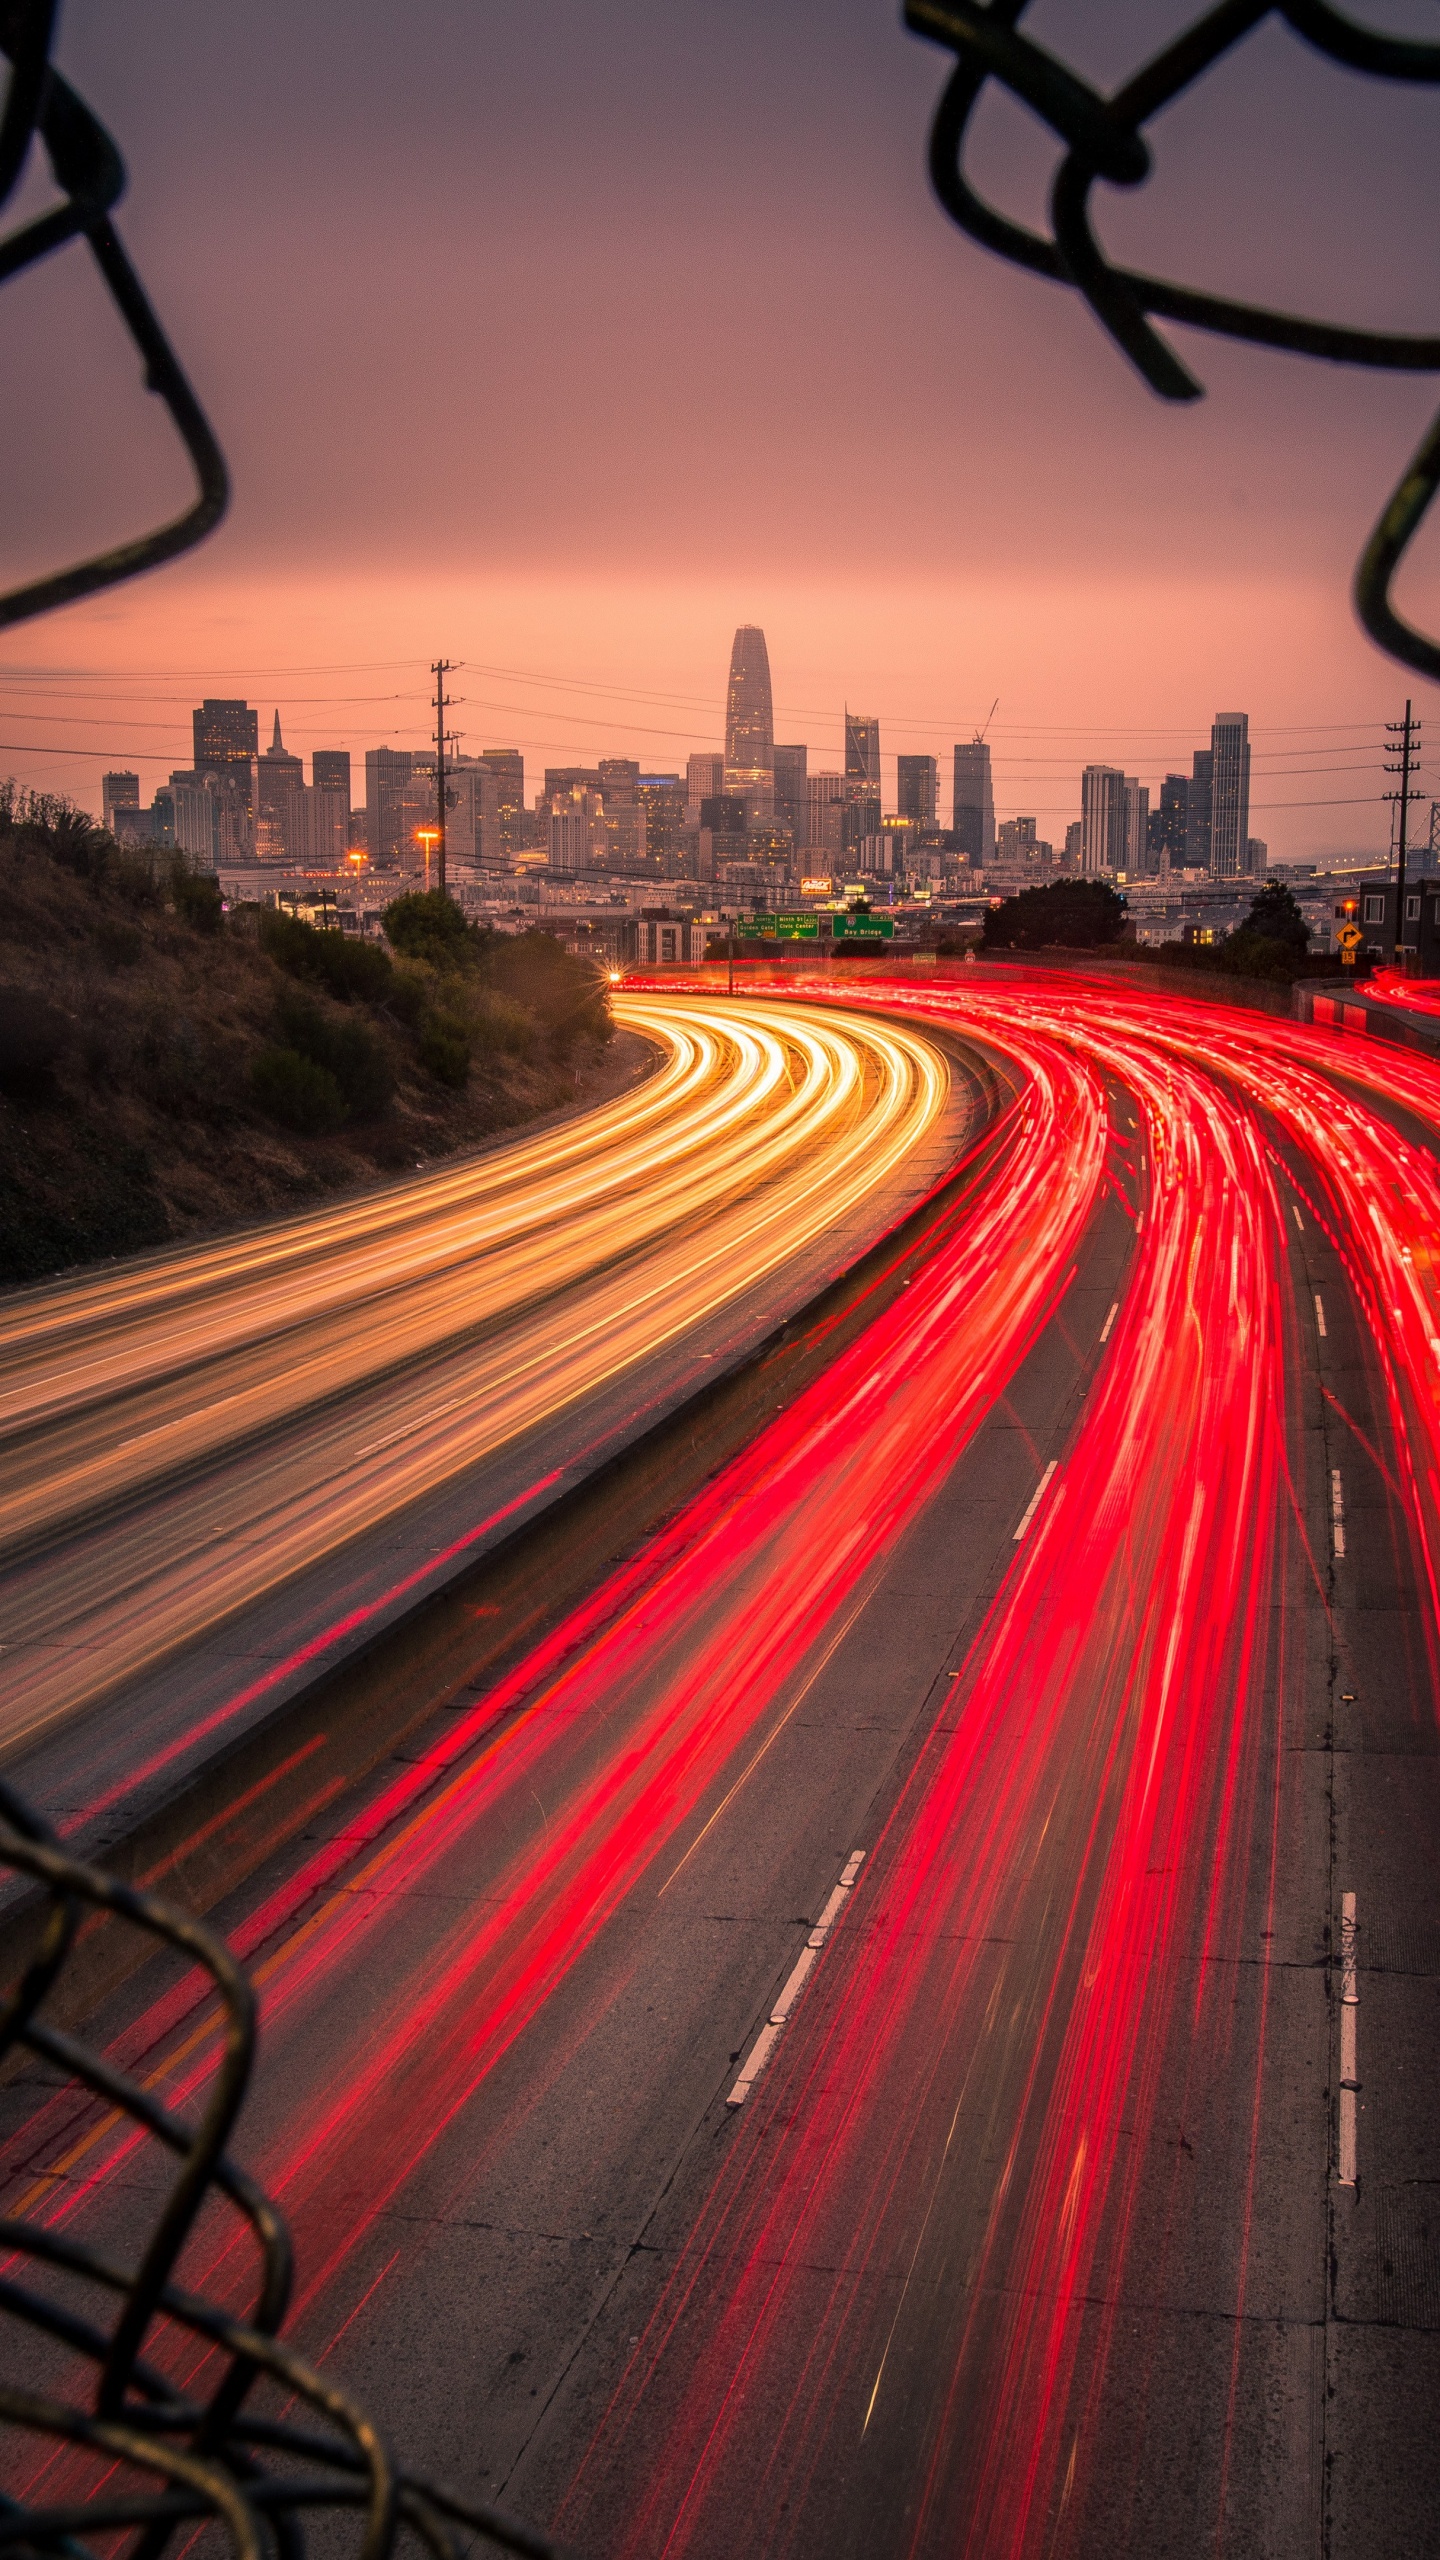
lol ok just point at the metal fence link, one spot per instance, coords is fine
(96, 2343)
(90, 175)
(1103, 138)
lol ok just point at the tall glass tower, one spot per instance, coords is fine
(750, 725)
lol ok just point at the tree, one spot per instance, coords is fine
(1274, 913)
(1077, 915)
(426, 924)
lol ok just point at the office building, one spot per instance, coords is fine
(118, 791)
(317, 828)
(973, 804)
(792, 765)
(661, 799)
(1165, 834)
(1074, 844)
(1019, 847)
(1137, 823)
(194, 816)
(624, 819)
(824, 819)
(278, 775)
(1229, 795)
(227, 737)
(227, 740)
(330, 771)
(750, 724)
(704, 780)
(562, 779)
(1257, 858)
(917, 789)
(1197, 818)
(1102, 819)
(387, 779)
(509, 834)
(577, 831)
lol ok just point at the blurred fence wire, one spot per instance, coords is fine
(1103, 139)
(90, 177)
(89, 2347)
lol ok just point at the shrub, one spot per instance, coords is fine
(426, 924)
(562, 993)
(33, 1035)
(346, 1050)
(408, 995)
(340, 962)
(297, 1092)
(444, 1049)
(498, 1024)
(1076, 915)
(196, 898)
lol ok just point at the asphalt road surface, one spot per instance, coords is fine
(1036, 1728)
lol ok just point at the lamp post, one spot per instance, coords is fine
(427, 836)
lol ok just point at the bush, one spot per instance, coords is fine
(339, 962)
(297, 1092)
(498, 1024)
(560, 992)
(33, 1035)
(1076, 915)
(444, 1048)
(408, 995)
(196, 898)
(426, 924)
(346, 1050)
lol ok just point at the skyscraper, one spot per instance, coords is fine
(227, 740)
(118, 791)
(278, 775)
(862, 777)
(1230, 795)
(1102, 818)
(917, 789)
(387, 778)
(1137, 821)
(508, 766)
(791, 768)
(973, 806)
(330, 770)
(704, 780)
(226, 733)
(750, 724)
(1167, 829)
(1197, 816)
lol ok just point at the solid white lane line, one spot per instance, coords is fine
(1105, 1328)
(1337, 1512)
(1320, 1315)
(1033, 1505)
(1349, 2007)
(769, 2036)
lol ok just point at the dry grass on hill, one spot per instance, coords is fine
(167, 1071)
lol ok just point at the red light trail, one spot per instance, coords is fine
(918, 2282)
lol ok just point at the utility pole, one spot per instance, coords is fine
(1405, 732)
(440, 670)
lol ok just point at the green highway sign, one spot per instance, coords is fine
(804, 928)
(851, 928)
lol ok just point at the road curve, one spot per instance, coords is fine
(183, 1436)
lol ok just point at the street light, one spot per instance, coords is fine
(427, 836)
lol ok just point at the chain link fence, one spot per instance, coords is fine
(1103, 138)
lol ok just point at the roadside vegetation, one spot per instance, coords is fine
(1067, 915)
(1273, 943)
(167, 1068)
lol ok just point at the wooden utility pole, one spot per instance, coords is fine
(1404, 732)
(440, 670)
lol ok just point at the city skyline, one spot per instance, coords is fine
(1026, 521)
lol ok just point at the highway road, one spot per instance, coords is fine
(192, 1440)
(842, 2042)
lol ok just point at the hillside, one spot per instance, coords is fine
(167, 1069)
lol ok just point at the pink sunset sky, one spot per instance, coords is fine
(559, 339)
